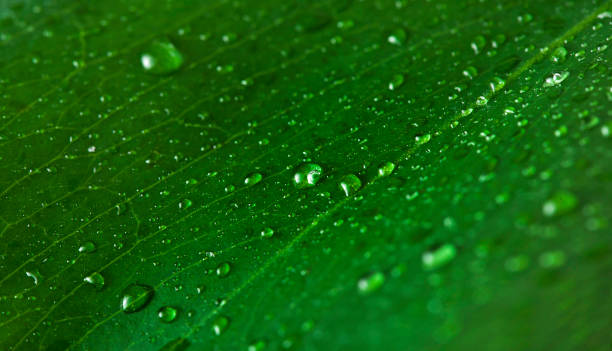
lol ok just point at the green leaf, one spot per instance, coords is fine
(305, 175)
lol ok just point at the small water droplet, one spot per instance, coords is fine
(96, 279)
(349, 184)
(223, 269)
(481, 101)
(385, 169)
(87, 246)
(478, 43)
(439, 257)
(161, 57)
(135, 297)
(253, 179)
(167, 314)
(220, 324)
(560, 203)
(307, 175)
(370, 282)
(185, 204)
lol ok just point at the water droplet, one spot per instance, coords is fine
(481, 101)
(135, 297)
(497, 84)
(478, 44)
(470, 72)
(185, 204)
(87, 247)
(220, 324)
(560, 203)
(267, 232)
(307, 175)
(162, 57)
(555, 79)
(397, 37)
(223, 269)
(516, 263)
(439, 257)
(96, 279)
(386, 169)
(422, 139)
(552, 259)
(396, 82)
(253, 179)
(35, 275)
(559, 54)
(349, 184)
(167, 314)
(257, 346)
(370, 282)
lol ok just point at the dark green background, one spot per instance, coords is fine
(95, 149)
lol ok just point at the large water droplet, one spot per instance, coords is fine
(349, 184)
(167, 314)
(253, 179)
(223, 269)
(396, 82)
(135, 297)
(87, 247)
(96, 279)
(259, 345)
(307, 175)
(422, 139)
(560, 203)
(35, 275)
(161, 57)
(371, 282)
(556, 79)
(439, 257)
(267, 232)
(220, 324)
(559, 54)
(386, 169)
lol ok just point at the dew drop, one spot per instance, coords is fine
(96, 279)
(559, 54)
(439, 257)
(481, 101)
(35, 275)
(396, 82)
(267, 232)
(478, 43)
(161, 57)
(307, 175)
(370, 282)
(167, 314)
(556, 79)
(349, 184)
(223, 269)
(422, 139)
(560, 203)
(259, 345)
(552, 259)
(253, 179)
(220, 325)
(397, 37)
(86, 247)
(135, 297)
(385, 169)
